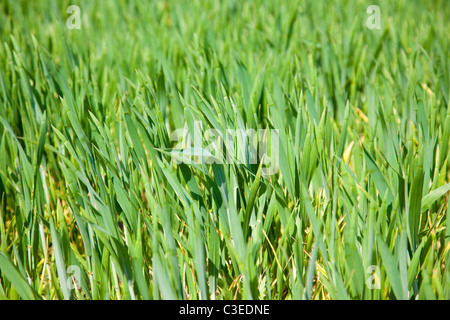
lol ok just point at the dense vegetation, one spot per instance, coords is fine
(93, 204)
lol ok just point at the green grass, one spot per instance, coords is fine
(89, 189)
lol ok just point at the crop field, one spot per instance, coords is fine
(257, 150)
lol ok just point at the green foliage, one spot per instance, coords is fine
(87, 177)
